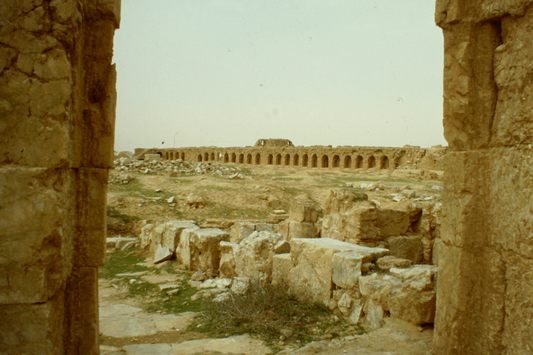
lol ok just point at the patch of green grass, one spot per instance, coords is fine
(154, 299)
(121, 261)
(293, 191)
(177, 303)
(224, 210)
(114, 213)
(288, 179)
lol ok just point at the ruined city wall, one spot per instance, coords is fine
(345, 157)
(485, 292)
(57, 109)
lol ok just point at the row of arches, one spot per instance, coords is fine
(314, 160)
(325, 161)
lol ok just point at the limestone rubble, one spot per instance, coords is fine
(365, 273)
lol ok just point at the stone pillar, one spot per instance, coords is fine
(485, 282)
(57, 113)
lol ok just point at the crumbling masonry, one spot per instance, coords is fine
(57, 111)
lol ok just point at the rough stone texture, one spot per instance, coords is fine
(164, 234)
(292, 229)
(254, 256)
(203, 249)
(303, 210)
(407, 247)
(408, 294)
(349, 217)
(281, 266)
(397, 220)
(311, 275)
(57, 102)
(227, 260)
(484, 294)
(241, 230)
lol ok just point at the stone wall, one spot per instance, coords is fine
(485, 293)
(345, 157)
(57, 107)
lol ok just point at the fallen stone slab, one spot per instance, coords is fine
(132, 274)
(119, 309)
(110, 350)
(162, 254)
(242, 344)
(127, 325)
(148, 349)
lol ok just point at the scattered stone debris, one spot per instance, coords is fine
(173, 168)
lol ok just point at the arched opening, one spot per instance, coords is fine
(325, 161)
(336, 161)
(226, 158)
(233, 157)
(212, 157)
(206, 156)
(270, 159)
(305, 160)
(249, 159)
(314, 161)
(258, 159)
(371, 162)
(182, 155)
(287, 160)
(278, 159)
(384, 162)
(200, 158)
(359, 162)
(241, 158)
(295, 160)
(347, 162)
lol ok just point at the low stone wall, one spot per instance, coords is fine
(362, 260)
(345, 157)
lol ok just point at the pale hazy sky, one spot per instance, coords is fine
(228, 72)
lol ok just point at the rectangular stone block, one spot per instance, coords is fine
(303, 211)
(91, 200)
(470, 308)
(511, 208)
(37, 222)
(312, 267)
(81, 313)
(346, 269)
(32, 329)
(513, 117)
(466, 182)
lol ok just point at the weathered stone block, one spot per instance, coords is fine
(310, 278)
(408, 294)
(281, 266)
(35, 256)
(204, 248)
(254, 256)
(227, 259)
(406, 247)
(303, 210)
(346, 269)
(349, 217)
(397, 220)
(31, 329)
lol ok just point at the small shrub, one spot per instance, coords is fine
(270, 314)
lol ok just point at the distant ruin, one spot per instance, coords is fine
(283, 152)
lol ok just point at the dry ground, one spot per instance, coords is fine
(230, 200)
